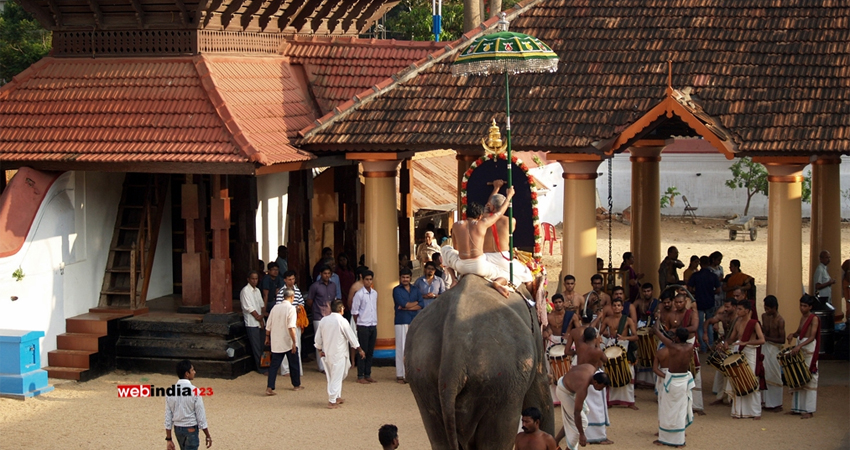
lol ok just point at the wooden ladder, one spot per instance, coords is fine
(131, 253)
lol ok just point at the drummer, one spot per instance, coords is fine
(573, 301)
(681, 316)
(722, 322)
(558, 320)
(596, 299)
(747, 337)
(774, 335)
(674, 397)
(644, 307)
(619, 329)
(808, 342)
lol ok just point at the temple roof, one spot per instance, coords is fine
(773, 75)
(237, 112)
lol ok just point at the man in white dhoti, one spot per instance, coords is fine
(333, 337)
(675, 403)
(589, 351)
(468, 238)
(805, 400)
(619, 329)
(747, 337)
(572, 392)
(497, 238)
(774, 336)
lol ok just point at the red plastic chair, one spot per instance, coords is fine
(550, 235)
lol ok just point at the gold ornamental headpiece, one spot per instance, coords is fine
(493, 142)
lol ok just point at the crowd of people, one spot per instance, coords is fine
(638, 340)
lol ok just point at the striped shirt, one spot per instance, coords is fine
(185, 411)
(299, 300)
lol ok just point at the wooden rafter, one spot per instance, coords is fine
(45, 19)
(289, 13)
(98, 15)
(367, 14)
(335, 18)
(201, 11)
(54, 10)
(249, 12)
(184, 13)
(353, 13)
(322, 13)
(213, 7)
(266, 16)
(301, 19)
(228, 13)
(140, 13)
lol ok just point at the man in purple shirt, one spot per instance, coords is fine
(319, 299)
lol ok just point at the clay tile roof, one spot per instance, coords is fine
(773, 75)
(338, 68)
(159, 110)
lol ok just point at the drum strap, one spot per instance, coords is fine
(622, 324)
(805, 328)
(568, 317)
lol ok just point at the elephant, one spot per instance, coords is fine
(474, 360)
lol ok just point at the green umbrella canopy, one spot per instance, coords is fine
(505, 51)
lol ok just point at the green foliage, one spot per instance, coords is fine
(411, 20)
(750, 176)
(18, 274)
(668, 198)
(22, 41)
(806, 193)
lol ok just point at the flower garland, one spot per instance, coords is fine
(535, 217)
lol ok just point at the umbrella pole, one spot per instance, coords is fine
(510, 179)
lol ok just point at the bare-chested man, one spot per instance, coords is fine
(674, 398)
(722, 323)
(556, 327)
(573, 301)
(620, 330)
(573, 389)
(588, 351)
(774, 337)
(576, 334)
(644, 307)
(596, 299)
(468, 237)
(682, 316)
(746, 337)
(665, 309)
(532, 437)
(805, 399)
(497, 238)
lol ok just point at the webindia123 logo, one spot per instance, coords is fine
(149, 390)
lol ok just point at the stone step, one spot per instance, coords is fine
(82, 359)
(67, 373)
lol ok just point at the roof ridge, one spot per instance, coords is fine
(414, 69)
(223, 110)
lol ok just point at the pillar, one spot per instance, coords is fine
(221, 282)
(826, 222)
(784, 231)
(381, 241)
(406, 236)
(464, 161)
(578, 248)
(646, 210)
(195, 263)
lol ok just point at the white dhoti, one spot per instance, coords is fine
(568, 405)
(622, 396)
(400, 340)
(479, 266)
(748, 406)
(553, 340)
(597, 414)
(336, 369)
(659, 383)
(697, 392)
(772, 375)
(675, 408)
(522, 274)
(805, 399)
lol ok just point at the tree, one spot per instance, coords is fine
(22, 41)
(411, 19)
(750, 176)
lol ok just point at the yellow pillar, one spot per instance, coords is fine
(578, 243)
(381, 241)
(784, 231)
(826, 222)
(646, 210)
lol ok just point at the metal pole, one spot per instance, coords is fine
(510, 178)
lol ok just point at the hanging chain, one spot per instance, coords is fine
(610, 211)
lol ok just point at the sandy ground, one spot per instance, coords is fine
(91, 416)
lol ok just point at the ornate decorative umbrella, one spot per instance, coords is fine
(509, 53)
